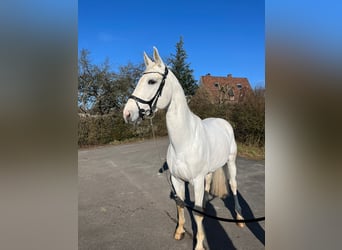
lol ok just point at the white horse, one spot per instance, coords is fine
(198, 150)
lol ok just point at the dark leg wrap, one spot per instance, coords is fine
(179, 202)
(237, 205)
(201, 209)
(205, 199)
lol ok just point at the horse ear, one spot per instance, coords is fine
(147, 60)
(157, 58)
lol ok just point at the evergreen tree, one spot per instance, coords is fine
(181, 69)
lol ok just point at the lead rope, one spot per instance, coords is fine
(155, 141)
(182, 203)
(162, 163)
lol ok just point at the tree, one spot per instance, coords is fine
(182, 70)
(102, 91)
(84, 80)
(126, 81)
(95, 86)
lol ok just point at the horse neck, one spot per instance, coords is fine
(180, 120)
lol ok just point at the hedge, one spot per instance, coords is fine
(247, 119)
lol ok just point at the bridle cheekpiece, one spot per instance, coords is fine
(153, 102)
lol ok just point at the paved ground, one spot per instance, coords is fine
(124, 202)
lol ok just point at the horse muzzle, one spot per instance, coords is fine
(130, 112)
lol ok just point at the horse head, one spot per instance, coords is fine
(152, 91)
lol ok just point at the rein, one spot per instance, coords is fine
(153, 102)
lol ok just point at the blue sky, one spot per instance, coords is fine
(220, 36)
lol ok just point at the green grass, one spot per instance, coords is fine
(251, 152)
(126, 141)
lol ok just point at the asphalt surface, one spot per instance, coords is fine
(124, 202)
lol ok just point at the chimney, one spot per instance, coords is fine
(208, 74)
(229, 75)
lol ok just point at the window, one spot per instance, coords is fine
(239, 86)
(230, 92)
(216, 84)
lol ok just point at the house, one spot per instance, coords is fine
(220, 89)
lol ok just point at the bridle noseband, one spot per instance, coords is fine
(153, 102)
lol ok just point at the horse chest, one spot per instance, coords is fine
(184, 166)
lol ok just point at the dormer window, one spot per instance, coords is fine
(239, 86)
(216, 84)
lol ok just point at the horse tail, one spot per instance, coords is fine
(219, 183)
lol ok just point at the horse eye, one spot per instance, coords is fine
(151, 81)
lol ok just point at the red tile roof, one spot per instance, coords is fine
(225, 89)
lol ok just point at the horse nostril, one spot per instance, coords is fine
(127, 115)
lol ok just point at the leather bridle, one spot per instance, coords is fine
(153, 102)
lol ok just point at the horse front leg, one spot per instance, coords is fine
(179, 186)
(208, 179)
(199, 193)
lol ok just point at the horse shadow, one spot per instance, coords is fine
(216, 236)
(247, 213)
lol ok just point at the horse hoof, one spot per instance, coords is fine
(202, 248)
(240, 224)
(179, 236)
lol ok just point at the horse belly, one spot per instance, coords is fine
(219, 153)
(219, 142)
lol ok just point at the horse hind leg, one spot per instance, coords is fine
(180, 191)
(233, 186)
